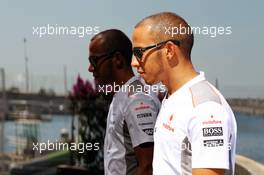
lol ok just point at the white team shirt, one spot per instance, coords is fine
(130, 122)
(195, 128)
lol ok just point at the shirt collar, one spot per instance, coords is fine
(132, 79)
(195, 80)
(198, 78)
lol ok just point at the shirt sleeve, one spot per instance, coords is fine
(140, 117)
(209, 134)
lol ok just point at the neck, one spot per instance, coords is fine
(179, 76)
(123, 76)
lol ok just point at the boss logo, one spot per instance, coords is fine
(213, 131)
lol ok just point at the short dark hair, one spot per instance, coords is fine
(160, 22)
(116, 40)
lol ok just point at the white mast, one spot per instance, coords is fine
(26, 66)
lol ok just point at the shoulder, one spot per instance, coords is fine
(203, 92)
(207, 105)
(138, 90)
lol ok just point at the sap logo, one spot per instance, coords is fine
(214, 131)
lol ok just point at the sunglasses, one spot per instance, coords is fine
(139, 51)
(94, 60)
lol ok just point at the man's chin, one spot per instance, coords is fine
(149, 81)
(99, 82)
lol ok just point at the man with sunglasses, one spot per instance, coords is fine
(128, 147)
(195, 132)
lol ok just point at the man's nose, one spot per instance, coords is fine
(134, 62)
(91, 68)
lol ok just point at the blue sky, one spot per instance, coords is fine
(236, 59)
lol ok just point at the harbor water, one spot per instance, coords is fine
(47, 130)
(250, 139)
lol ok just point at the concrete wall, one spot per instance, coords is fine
(246, 166)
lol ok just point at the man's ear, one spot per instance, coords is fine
(119, 61)
(172, 54)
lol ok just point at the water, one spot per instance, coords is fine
(47, 131)
(250, 140)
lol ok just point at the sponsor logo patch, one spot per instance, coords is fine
(168, 127)
(213, 131)
(147, 123)
(213, 143)
(168, 124)
(142, 107)
(144, 115)
(212, 122)
(148, 131)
